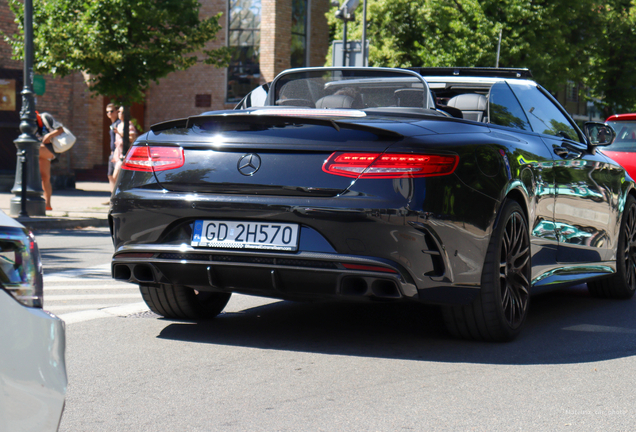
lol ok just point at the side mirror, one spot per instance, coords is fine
(599, 134)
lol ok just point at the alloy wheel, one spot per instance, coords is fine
(514, 270)
(630, 248)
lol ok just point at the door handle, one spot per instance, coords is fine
(566, 153)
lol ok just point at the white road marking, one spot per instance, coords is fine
(91, 278)
(116, 311)
(600, 329)
(122, 286)
(67, 297)
(73, 307)
(102, 270)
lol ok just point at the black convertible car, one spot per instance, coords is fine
(467, 188)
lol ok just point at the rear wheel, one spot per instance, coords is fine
(622, 284)
(502, 306)
(176, 301)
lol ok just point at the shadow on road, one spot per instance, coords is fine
(83, 193)
(566, 326)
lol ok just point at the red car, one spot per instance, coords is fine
(623, 149)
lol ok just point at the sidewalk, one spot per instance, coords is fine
(84, 206)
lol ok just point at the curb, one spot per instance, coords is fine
(44, 223)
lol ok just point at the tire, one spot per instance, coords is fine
(175, 301)
(500, 311)
(622, 284)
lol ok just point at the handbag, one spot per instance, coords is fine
(64, 141)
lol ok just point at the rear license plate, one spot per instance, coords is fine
(245, 235)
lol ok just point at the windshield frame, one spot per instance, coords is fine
(349, 74)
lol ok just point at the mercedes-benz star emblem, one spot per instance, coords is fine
(249, 164)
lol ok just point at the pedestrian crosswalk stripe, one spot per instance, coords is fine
(65, 297)
(73, 307)
(116, 311)
(101, 271)
(66, 286)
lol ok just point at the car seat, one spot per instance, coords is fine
(335, 101)
(472, 105)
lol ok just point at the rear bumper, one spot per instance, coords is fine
(303, 276)
(423, 250)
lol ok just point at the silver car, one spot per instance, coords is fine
(32, 341)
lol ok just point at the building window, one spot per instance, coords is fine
(8, 95)
(572, 92)
(243, 74)
(299, 33)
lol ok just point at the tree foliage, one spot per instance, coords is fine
(611, 78)
(123, 45)
(588, 41)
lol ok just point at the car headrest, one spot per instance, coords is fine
(469, 102)
(335, 101)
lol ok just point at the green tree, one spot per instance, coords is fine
(611, 79)
(585, 41)
(404, 33)
(121, 45)
(555, 40)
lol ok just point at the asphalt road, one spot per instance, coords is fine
(74, 249)
(267, 365)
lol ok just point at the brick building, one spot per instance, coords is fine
(269, 36)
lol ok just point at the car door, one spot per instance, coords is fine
(504, 110)
(583, 216)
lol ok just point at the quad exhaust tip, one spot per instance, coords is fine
(134, 273)
(358, 286)
(122, 272)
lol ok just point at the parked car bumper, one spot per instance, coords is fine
(32, 368)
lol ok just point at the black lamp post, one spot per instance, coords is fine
(28, 184)
(344, 40)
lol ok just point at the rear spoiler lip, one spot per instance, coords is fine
(187, 123)
(170, 124)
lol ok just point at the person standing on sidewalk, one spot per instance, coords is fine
(118, 154)
(47, 154)
(112, 113)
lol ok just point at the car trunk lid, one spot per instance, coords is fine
(263, 155)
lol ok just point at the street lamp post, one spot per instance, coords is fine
(365, 63)
(27, 144)
(344, 39)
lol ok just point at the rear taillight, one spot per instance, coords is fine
(389, 165)
(153, 158)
